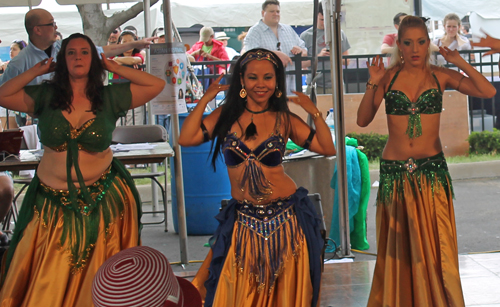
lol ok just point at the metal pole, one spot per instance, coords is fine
(314, 59)
(181, 211)
(338, 105)
(151, 117)
(417, 7)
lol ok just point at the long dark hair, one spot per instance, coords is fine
(234, 106)
(63, 92)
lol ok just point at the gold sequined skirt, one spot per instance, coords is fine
(417, 254)
(249, 278)
(42, 270)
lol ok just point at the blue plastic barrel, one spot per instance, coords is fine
(203, 188)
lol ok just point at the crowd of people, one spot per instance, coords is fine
(78, 231)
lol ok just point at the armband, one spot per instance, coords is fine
(307, 143)
(206, 137)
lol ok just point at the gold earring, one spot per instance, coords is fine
(278, 93)
(401, 57)
(243, 93)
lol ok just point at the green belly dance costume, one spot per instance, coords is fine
(417, 254)
(63, 236)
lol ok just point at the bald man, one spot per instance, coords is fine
(43, 44)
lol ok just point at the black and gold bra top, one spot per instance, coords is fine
(398, 103)
(269, 153)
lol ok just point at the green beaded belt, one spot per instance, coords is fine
(97, 191)
(411, 165)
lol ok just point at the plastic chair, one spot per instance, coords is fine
(13, 211)
(145, 134)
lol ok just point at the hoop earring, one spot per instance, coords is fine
(278, 93)
(243, 92)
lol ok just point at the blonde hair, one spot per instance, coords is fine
(409, 22)
(452, 16)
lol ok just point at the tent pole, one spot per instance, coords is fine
(333, 38)
(314, 59)
(149, 107)
(181, 211)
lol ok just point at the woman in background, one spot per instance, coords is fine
(452, 38)
(133, 57)
(15, 48)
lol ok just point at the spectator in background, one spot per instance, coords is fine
(281, 39)
(241, 38)
(324, 82)
(42, 45)
(452, 37)
(15, 48)
(131, 28)
(209, 49)
(131, 58)
(159, 33)
(113, 37)
(59, 36)
(389, 40)
(20, 118)
(465, 31)
(223, 38)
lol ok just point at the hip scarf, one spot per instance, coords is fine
(272, 228)
(269, 230)
(80, 221)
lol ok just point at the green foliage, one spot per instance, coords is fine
(373, 143)
(484, 142)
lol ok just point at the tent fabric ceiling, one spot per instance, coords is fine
(243, 13)
(67, 2)
(19, 2)
(438, 9)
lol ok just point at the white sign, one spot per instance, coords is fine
(168, 62)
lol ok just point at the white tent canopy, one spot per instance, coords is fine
(438, 9)
(242, 13)
(68, 22)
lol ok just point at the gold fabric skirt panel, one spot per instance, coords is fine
(237, 286)
(417, 262)
(40, 272)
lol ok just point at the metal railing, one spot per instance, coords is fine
(482, 112)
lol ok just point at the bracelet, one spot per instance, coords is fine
(371, 86)
(316, 115)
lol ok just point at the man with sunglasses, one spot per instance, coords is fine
(43, 44)
(113, 37)
(269, 33)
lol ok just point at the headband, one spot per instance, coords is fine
(258, 55)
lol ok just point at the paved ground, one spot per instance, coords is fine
(477, 209)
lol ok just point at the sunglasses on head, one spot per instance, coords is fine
(115, 31)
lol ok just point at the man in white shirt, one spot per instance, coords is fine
(270, 34)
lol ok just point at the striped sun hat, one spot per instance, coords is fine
(141, 276)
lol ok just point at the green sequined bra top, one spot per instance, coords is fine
(429, 102)
(93, 136)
